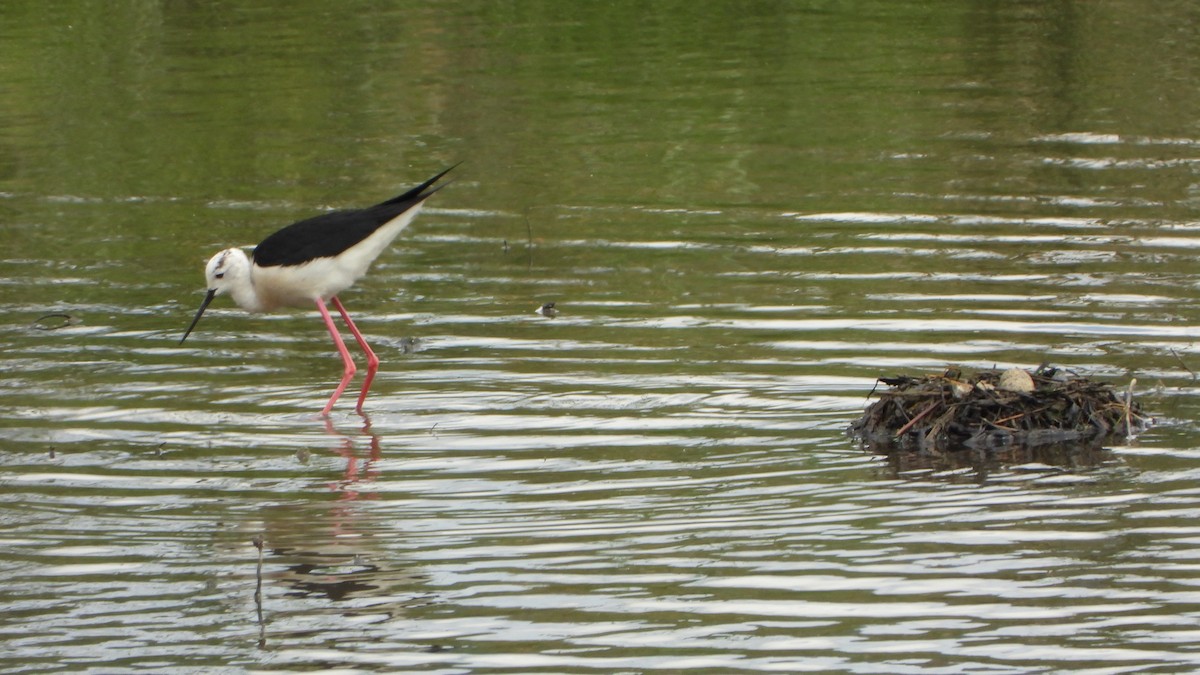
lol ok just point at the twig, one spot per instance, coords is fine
(262, 626)
(928, 409)
(1129, 411)
(1010, 418)
(1181, 363)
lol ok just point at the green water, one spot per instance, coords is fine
(746, 212)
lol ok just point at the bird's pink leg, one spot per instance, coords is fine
(372, 360)
(349, 370)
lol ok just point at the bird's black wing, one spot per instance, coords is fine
(329, 234)
(323, 236)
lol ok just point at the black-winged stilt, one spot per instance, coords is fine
(311, 262)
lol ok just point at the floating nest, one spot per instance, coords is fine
(995, 410)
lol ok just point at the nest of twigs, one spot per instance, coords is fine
(995, 409)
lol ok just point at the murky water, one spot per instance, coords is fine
(745, 213)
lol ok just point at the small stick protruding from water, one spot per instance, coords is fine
(1181, 363)
(1129, 411)
(529, 234)
(258, 544)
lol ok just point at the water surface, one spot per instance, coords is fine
(745, 213)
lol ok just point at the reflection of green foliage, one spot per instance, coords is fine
(813, 105)
(662, 101)
(142, 99)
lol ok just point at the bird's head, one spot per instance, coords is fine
(224, 271)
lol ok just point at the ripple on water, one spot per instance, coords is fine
(656, 480)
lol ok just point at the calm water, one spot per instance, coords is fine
(745, 212)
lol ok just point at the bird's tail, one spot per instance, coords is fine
(419, 193)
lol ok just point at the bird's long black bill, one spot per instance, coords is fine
(203, 306)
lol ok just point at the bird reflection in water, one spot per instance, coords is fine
(326, 559)
(355, 474)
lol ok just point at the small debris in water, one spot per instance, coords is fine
(55, 321)
(997, 409)
(409, 345)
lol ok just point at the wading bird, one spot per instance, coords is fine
(311, 262)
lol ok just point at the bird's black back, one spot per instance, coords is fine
(329, 234)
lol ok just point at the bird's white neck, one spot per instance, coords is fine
(246, 296)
